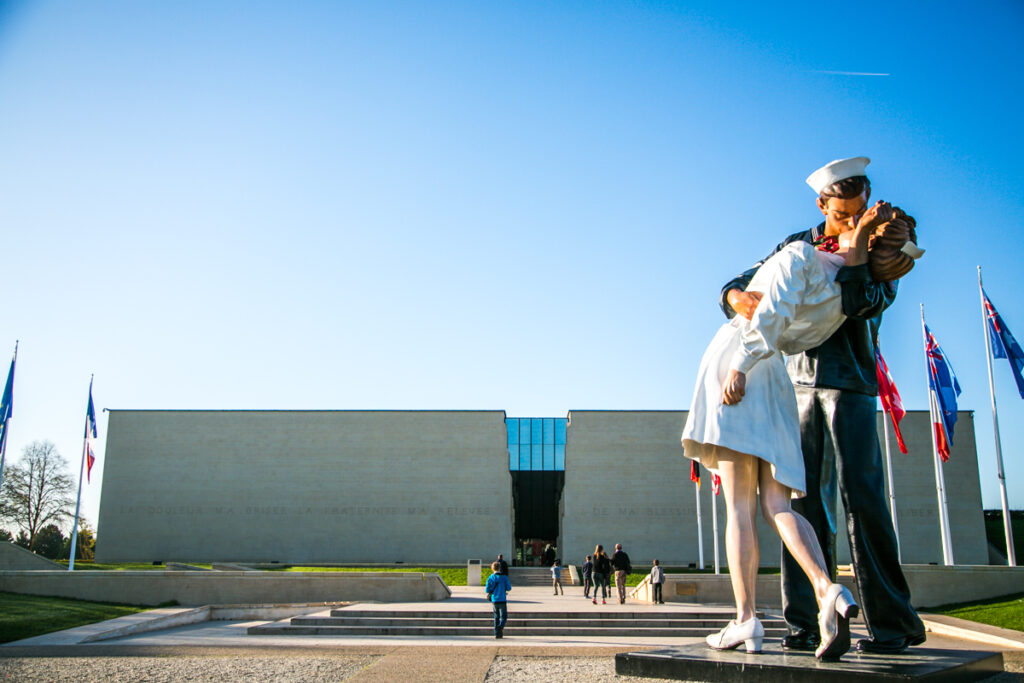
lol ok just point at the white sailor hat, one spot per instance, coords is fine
(837, 170)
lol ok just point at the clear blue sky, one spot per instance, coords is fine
(519, 206)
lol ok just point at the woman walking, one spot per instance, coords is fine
(602, 569)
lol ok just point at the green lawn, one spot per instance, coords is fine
(452, 576)
(87, 565)
(24, 616)
(1005, 612)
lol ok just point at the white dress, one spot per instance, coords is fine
(800, 309)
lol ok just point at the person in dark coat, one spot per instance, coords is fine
(622, 567)
(835, 389)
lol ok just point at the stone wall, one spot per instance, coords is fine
(207, 588)
(628, 482)
(434, 487)
(917, 507)
(305, 486)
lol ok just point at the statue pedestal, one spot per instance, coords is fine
(701, 663)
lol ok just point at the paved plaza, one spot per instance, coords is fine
(223, 651)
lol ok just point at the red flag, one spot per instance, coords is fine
(716, 483)
(695, 473)
(890, 398)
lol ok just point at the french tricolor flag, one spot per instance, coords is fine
(90, 436)
(944, 389)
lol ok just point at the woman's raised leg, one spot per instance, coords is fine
(835, 603)
(795, 531)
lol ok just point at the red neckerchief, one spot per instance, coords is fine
(829, 243)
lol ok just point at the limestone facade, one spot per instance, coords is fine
(434, 487)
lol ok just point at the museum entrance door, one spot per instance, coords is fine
(536, 461)
(536, 498)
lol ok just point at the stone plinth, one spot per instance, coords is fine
(700, 663)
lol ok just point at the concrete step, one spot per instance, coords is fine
(515, 621)
(410, 631)
(377, 622)
(721, 616)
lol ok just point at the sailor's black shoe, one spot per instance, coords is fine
(804, 639)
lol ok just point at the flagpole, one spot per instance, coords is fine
(3, 440)
(940, 487)
(892, 490)
(700, 531)
(81, 469)
(1011, 555)
(714, 522)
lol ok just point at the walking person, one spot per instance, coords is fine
(622, 567)
(657, 581)
(588, 577)
(498, 586)
(556, 577)
(602, 568)
(502, 565)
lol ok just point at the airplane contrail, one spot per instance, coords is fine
(848, 73)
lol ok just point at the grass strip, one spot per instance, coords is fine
(24, 616)
(452, 576)
(1004, 612)
(87, 565)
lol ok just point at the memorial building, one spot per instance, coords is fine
(430, 487)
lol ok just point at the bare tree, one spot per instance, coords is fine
(37, 490)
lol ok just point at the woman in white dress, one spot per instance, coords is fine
(743, 425)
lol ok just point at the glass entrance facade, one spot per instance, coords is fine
(536, 459)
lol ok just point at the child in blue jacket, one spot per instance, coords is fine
(497, 587)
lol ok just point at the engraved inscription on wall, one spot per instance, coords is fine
(317, 510)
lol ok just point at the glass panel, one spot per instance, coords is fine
(513, 458)
(549, 457)
(536, 430)
(560, 430)
(549, 430)
(524, 430)
(559, 457)
(524, 457)
(537, 461)
(512, 425)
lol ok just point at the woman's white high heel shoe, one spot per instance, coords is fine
(750, 633)
(837, 609)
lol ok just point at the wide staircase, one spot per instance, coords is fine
(534, 576)
(678, 622)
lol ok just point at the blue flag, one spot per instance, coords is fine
(7, 404)
(945, 388)
(1003, 344)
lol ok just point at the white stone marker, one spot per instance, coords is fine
(473, 573)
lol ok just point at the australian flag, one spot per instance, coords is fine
(945, 388)
(90, 436)
(1003, 344)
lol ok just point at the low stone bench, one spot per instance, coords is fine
(219, 587)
